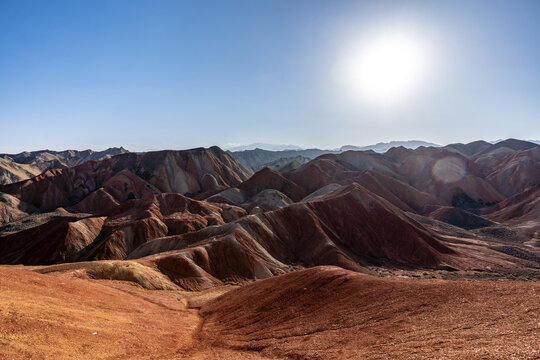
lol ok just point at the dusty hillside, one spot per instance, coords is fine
(79, 319)
(331, 313)
(320, 313)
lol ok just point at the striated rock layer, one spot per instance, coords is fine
(350, 227)
(26, 165)
(115, 233)
(131, 176)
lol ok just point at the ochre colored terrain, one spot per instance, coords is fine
(317, 313)
(42, 316)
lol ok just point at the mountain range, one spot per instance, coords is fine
(17, 167)
(264, 146)
(257, 156)
(278, 261)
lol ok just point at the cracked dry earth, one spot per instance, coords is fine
(318, 313)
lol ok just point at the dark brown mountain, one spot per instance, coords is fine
(511, 172)
(350, 227)
(354, 209)
(112, 234)
(523, 207)
(271, 179)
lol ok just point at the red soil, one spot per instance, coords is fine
(331, 313)
(319, 313)
(46, 317)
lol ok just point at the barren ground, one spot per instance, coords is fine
(318, 313)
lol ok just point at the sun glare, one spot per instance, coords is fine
(387, 68)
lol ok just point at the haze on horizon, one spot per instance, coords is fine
(182, 74)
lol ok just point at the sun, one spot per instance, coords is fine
(387, 68)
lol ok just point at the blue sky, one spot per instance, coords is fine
(178, 74)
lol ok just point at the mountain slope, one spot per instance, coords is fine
(25, 165)
(350, 227)
(258, 158)
(469, 149)
(11, 172)
(511, 172)
(331, 313)
(131, 175)
(447, 175)
(523, 207)
(111, 235)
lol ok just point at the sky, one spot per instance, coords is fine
(150, 75)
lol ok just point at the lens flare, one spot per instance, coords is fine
(449, 169)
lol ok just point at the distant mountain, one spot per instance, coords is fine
(288, 164)
(258, 158)
(11, 172)
(22, 166)
(67, 158)
(384, 147)
(263, 146)
(506, 146)
(470, 148)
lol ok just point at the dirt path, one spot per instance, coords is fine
(50, 317)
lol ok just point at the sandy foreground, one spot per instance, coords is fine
(318, 313)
